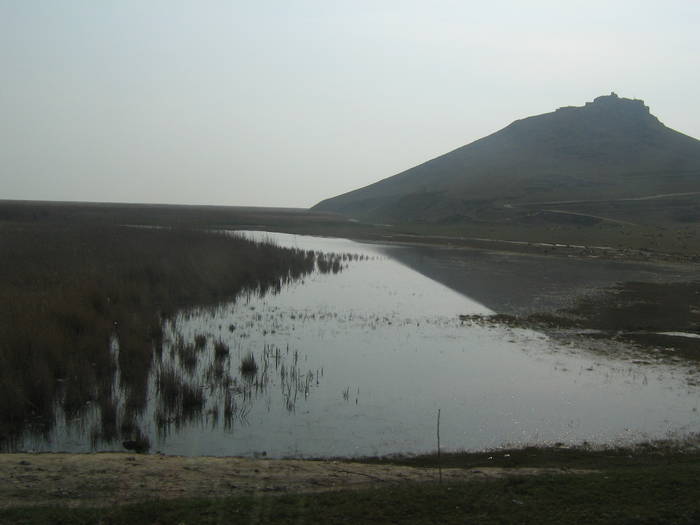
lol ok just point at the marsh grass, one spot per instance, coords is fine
(249, 365)
(178, 400)
(68, 289)
(187, 354)
(329, 262)
(200, 341)
(215, 391)
(221, 350)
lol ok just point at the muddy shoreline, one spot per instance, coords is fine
(520, 247)
(659, 319)
(646, 299)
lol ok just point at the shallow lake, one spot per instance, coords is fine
(359, 362)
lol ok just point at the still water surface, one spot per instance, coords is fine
(358, 363)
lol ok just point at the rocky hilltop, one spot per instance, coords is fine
(610, 149)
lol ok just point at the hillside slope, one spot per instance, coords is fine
(612, 148)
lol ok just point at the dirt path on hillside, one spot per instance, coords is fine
(114, 478)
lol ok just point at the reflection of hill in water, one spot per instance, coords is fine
(517, 284)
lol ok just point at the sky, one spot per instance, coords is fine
(285, 103)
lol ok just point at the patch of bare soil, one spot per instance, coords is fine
(104, 479)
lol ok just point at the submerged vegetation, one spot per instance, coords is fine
(249, 365)
(83, 301)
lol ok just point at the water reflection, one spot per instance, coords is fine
(109, 399)
(524, 284)
(357, 362)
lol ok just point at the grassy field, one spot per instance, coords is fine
(662, 238)
(624, 486)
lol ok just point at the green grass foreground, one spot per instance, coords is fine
(662, 493)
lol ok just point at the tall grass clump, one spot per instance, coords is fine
(221, 349)
(248, 364)
(177, 399)
(187, 354)
(200, 341)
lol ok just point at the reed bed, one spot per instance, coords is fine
(221, 350)
(249, 365)
(68, 289)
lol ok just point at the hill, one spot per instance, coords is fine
(609, 160)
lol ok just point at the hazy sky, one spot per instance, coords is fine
(284, 103)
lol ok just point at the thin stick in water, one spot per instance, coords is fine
(438, 448)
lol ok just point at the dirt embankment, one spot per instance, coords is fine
(115, 478)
